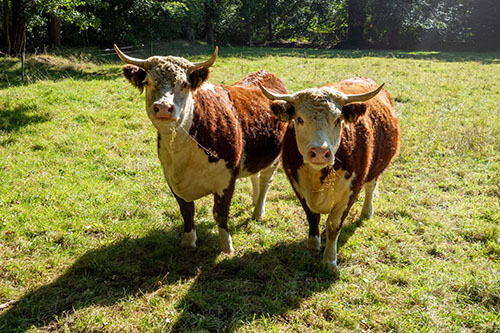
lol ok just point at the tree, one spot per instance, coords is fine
(23, 17)
(356, 21)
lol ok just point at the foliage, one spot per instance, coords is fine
(394, 24)
(89, 231)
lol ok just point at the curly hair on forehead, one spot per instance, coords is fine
(169, 68)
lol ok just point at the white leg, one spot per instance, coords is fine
(255, 187)
(332, 236)
(189, 239)
(225, 241)
(314, 243)
(367, 210)
(266, 176)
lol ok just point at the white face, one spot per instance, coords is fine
(318, 125)
(165, 99)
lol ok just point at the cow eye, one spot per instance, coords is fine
(300, 120)
(337, 122)
(184, 85)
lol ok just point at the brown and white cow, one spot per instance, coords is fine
(341, 138)
(209, 135)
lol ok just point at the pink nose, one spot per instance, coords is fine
(319, 155)
(163, 111)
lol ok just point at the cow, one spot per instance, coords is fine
(209, 134)
(340, 139)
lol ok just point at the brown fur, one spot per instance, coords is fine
(236, 120)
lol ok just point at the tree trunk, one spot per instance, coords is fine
(270, 36)
(356, 20)
(54, 31)
(6, 31)
(210, 34)
(189, 33)
(18, 36)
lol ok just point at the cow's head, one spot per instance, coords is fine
(168, 81)
(318, 115)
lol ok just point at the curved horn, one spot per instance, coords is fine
(273, 96)
(363, 97)
(129, 60)
(207, 63)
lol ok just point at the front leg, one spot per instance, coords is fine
(187, 212)
(333, 226)
(221, 216)
(314, 240)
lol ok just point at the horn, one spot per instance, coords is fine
(363, 97)
(273, 96)
(207, 63)
(129, 60)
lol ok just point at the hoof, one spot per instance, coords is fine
(314, 243)
(331, 266)
(225, 241)
(258, 215)
(189, 239)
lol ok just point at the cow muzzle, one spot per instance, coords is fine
(164, 111)
(320, 156)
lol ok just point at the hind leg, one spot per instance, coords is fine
(367, 210)
(255, 187)
(266, 176)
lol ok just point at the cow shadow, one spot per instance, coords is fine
(227, 291)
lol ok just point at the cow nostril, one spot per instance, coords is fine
(313, 154)
(171, 109)
(327, 154)
(156, 108)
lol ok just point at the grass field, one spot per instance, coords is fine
(89, 232)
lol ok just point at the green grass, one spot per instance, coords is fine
(89, 232)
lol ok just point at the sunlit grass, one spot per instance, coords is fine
(89, 232)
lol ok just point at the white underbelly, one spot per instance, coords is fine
(188, 172)
(323, 197)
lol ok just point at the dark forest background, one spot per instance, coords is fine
(459, 25)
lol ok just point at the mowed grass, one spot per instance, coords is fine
(89, 231)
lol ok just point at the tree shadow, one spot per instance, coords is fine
(44, 67)
(224, 295)
(22, 115)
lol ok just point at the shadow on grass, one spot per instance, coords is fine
(39, 68)
(224, 295)
(22, 115)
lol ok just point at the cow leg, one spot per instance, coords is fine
(255, 187)
(266, 176)
(314, 240)
(333, 227)
(367, 210)
(187, 212)
(221, 215)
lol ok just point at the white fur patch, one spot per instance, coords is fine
(185, 165)
(323, 197)
(314, 243)
(225, 241)
(189, 239)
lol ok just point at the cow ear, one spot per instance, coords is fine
(135, 75)
(351, 112)
(283, 110)
(198, 76)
